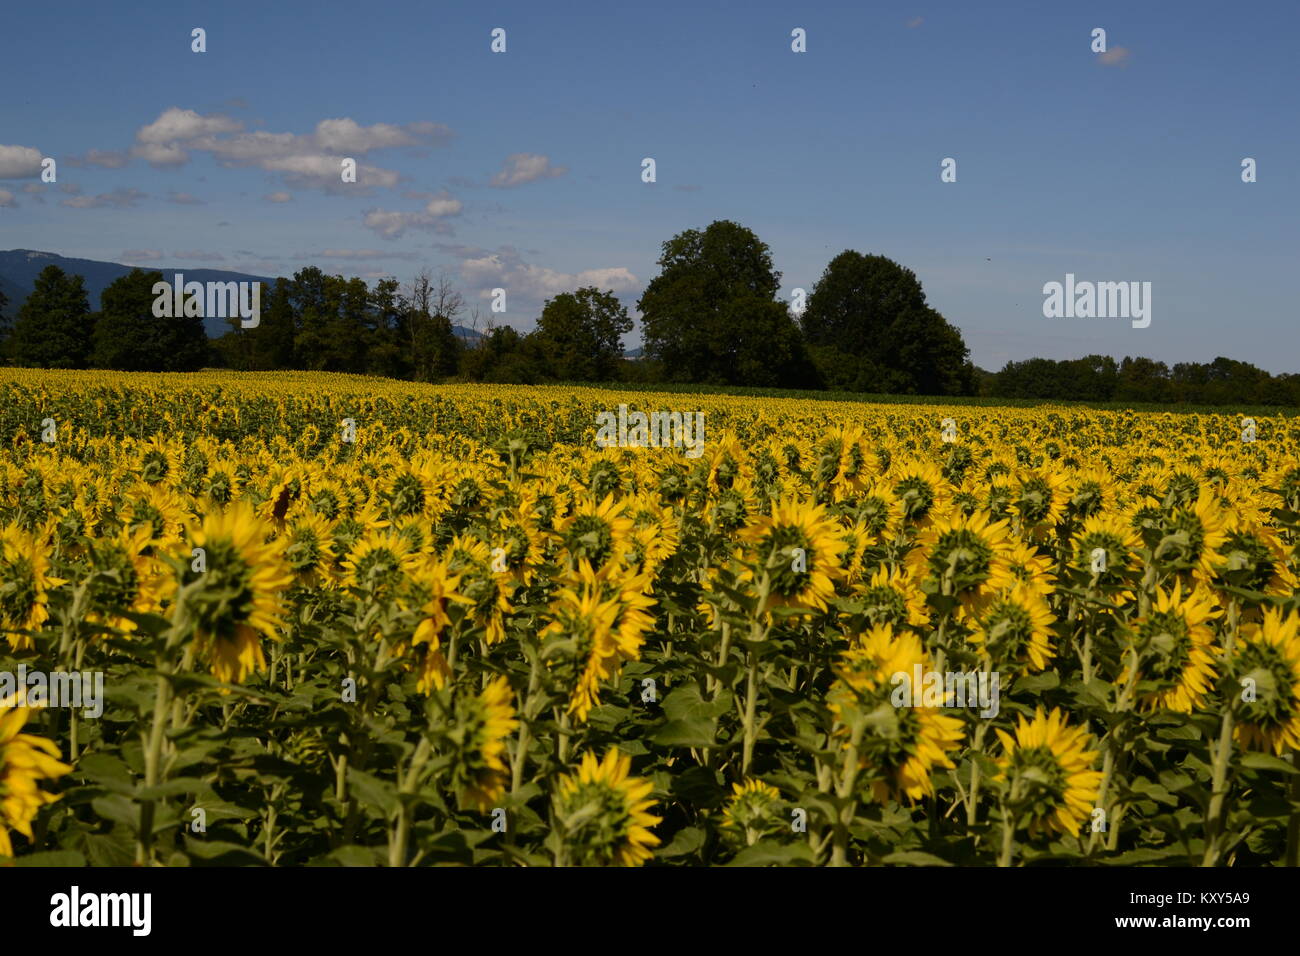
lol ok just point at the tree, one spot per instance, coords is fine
(579, 335)
(6, 328)
(431, 307)
(874, 309)
(129, 337)
(692, 315)
(54, 327)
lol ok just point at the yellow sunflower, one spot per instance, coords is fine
(1014, 629)
(237, 599)
(1048, 770)
(1266, 665)
(1177, 643)
(25, 760)
(25, 585)
(797, 548)
(602, 814)
(903, 745)
(479, 772)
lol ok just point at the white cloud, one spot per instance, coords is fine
(19, 162)
(390, 223)
(483, 270)
(280, 196)
(523, 168)
(312, 159)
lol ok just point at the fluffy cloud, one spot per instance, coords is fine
(523, 168)
(280, 196)
(483, 270)
(1115, 56)
(7, 199)
(312, 159)
(19, 162)
(390, 223)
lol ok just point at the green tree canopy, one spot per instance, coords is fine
(128, 336)
(873, 309)
(705, 314)
(54, 327)
(580, 335)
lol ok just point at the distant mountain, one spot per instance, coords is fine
(20, 267)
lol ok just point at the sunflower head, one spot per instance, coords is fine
(1047, 769)
(25, 762)
(754, 809)
(1265, 671)
(233, 592)
(602, 814)
(797, 550)
(478, 769)
(900, 745)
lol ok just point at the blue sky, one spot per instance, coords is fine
(523, 169)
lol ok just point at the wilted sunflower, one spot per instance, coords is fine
(25, 583)
(1176, 641)
(1268, 656)
(25, 760)
(602, 814)
(238, 600)
(482, 724)
(1047, 767)
(798, 547)
(903, 744)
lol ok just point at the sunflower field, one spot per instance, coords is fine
(343, 621)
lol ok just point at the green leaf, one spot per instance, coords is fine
(768, 853)
(695, 732)
(915, 858)
(1259, 761)
(51, 858)
(371, 790)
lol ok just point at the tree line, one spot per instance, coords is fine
(711, 316)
